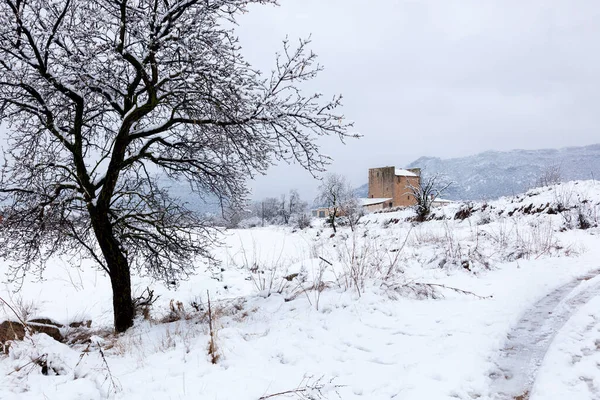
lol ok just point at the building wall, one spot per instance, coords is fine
(403, 196)
(383, 182)
(324, 212)
(376, 207)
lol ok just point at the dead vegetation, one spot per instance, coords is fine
(308, 389)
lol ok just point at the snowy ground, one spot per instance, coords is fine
(371, 314)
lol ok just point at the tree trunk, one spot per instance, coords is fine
(333, 220)
(120, 279)
(120, 276)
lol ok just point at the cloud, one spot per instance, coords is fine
(441, 78)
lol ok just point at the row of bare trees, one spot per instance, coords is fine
(285, 210)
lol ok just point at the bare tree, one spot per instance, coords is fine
(427, 192)
(550, 175)
(234, 213)
(335, 192)
(293, 206)
(353, 210)
(100, 97)
(268, 210)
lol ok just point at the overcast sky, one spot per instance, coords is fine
(439, 78)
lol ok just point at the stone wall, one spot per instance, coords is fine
(383, 183)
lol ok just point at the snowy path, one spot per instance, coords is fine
(529, 340)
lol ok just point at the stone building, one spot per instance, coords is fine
(390, 186)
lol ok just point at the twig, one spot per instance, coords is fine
(457, 290)
(212, 348)
(301, 389)
(36, 361)
(461, 291)
(322, 259)
(146, 301)
(413, 285)
(14, 312)
(25, 325)
(394, 262)
(110, 376)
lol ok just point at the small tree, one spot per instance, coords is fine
(550, 175)
(234, 213)
(336, 193)
(353, 210)
(268, 210)
(292, 207)
(100, 96)
(426, 193)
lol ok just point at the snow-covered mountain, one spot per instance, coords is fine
(206, 204)
(492, 174)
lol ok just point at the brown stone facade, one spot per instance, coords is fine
(394, 183)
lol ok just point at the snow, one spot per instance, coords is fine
(570, 368)
(404, 172)
(352, 324)
(371, 201)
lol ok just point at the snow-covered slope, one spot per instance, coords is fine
(393, 310)
(492, 174)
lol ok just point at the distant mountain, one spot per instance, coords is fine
(493, 174)
(207, 204)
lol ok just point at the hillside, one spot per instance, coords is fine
(493, 174)
(391, 310)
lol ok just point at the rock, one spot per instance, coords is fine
(45, 321)
(11, 330)
(80, 324)
(47, 326)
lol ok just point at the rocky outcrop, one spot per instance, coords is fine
(13, 330)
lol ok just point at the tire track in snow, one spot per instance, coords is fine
(528, 342)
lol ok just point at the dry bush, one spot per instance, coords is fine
(23, 309)
(84, 334)
(179, 334)
(355, 260)
(308, 389)
(303, 221)
(213, 350)
(583, 215)
(501, 233)
(450, 250)
(144, 302)
(424, 291)
(312, 288)
(267, 278)
(177, 312)
(465, 211)
(534, 240)
(564, 197)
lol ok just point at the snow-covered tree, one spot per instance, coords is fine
(102, 96)
(550, 175)
(427, 192)
(268, 210)
(292, 206)
(336, 193)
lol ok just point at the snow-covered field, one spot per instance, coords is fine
(393, 310)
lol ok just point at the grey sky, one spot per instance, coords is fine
(439, 78)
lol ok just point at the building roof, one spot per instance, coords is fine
(373, 201)
(404, 172)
